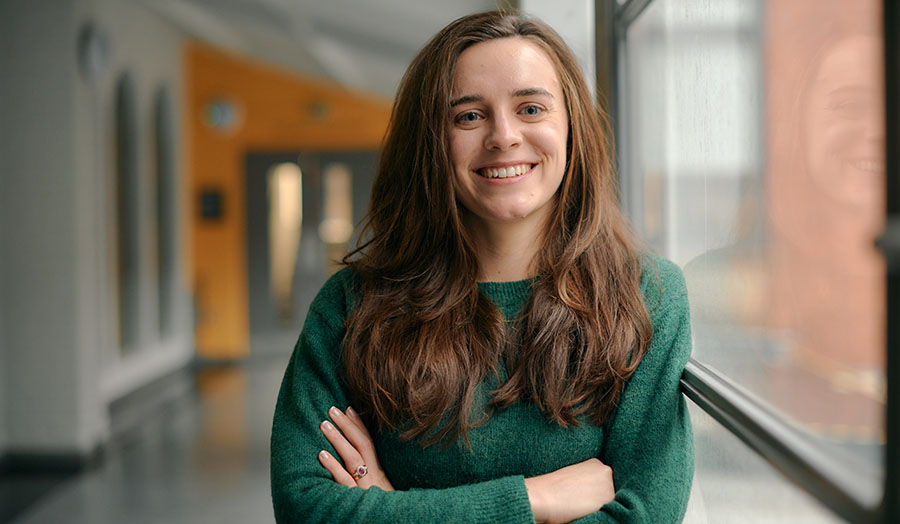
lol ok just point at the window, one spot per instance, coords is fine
(285, 190)
(166, 209)
(752, 153)
(128, 236)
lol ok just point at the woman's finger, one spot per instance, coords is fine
(354, 432)
(338, 473)
(349, 455)
(356, 419)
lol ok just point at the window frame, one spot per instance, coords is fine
(890, 245)
(845, 490)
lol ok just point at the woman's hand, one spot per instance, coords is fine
(353, 443)
(571, 492)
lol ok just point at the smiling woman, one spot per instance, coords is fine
(511, 355)
(508, 131)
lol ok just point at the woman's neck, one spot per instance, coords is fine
(506, 252)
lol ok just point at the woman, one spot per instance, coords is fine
(510, 355)
(826, 198)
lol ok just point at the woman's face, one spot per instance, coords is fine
(844, 125)
(508, 129)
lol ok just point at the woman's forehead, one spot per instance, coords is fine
(509, 64)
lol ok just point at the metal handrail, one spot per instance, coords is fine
(836, 481)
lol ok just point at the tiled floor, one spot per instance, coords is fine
(196, 452)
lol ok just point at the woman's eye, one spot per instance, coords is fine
(531, 110)
(849, 108)
(468, 117)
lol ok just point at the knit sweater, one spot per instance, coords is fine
(647, 442)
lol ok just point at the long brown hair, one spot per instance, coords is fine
(422, 338)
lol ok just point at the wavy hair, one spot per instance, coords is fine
(421, 337)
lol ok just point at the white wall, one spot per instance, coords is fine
(40, 229)
(149, 48)
(59, 358)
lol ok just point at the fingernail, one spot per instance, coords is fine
(327, 425)
(333, 411)
(351, 412)
(325, 454)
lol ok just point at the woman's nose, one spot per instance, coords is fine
(504, 133)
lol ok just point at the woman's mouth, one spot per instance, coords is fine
(868, 165)
(505, 172)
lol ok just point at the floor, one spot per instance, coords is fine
(192, 449)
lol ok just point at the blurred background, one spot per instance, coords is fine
(178, 178)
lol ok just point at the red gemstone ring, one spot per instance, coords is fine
(360, 472)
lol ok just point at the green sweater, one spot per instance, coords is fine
(647, 442)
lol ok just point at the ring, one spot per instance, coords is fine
(360, 472)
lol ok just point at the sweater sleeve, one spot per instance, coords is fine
(649, 442)
(303, 491)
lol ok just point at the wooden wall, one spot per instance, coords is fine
(273, 111)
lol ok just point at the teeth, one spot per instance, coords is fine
(872, 166)
(505, 172)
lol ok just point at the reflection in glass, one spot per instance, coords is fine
(826, 178)
(755, 159)
(222, 441)
(285, 221)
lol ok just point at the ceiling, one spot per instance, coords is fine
(362, 44)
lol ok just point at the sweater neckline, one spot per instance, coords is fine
(508, 296)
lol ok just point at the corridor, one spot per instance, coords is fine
(179, 178)
(192, 449)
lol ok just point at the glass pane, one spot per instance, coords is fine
(754, 158)
(732, 484)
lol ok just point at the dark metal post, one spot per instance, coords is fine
(890, 244)
(605, 54)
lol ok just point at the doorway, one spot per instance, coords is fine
(292, 252)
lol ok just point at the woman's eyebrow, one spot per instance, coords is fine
(531, 91)
(466, 100)
(528, 91)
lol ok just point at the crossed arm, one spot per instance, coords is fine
(648, 447)
(560, 496)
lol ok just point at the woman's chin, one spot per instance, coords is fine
(509, 216)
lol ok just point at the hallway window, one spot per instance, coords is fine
(336, 227)
(128, 207)
(285, 223)
(166, 208)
